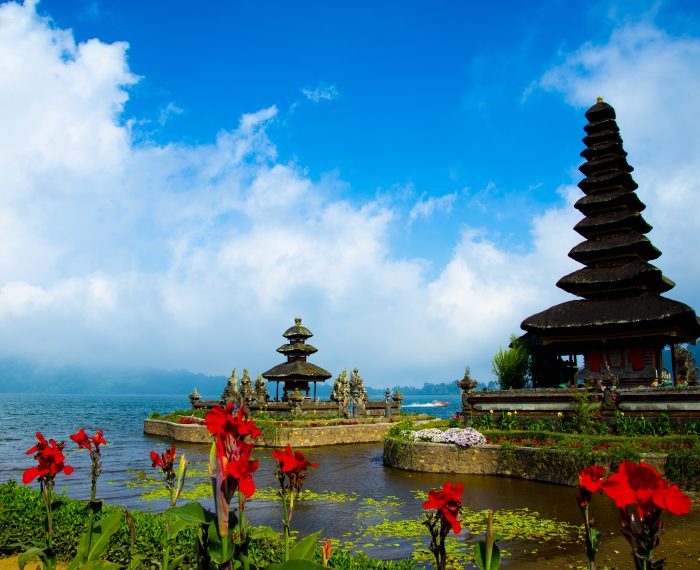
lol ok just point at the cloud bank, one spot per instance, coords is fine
(119, 251)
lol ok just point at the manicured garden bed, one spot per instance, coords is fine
(548, 456)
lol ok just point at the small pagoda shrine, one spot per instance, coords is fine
(296, 373)
(622, 321)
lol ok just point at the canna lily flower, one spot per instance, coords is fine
(242, 470)
(590, 480)
(165, 460)
(291, 461)
(50, 459)
(642, 485)
(448, 503)
(85, 441)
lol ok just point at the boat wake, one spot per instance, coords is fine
(433, 404)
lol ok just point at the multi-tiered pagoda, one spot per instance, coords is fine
(623, 319)
(296, 373)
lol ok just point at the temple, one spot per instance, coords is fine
(622, 319)
(296, 373)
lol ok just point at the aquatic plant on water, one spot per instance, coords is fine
(641, 495)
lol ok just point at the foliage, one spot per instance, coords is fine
(639, 425)
(585, 416)
(396, 431)
(512, 366)
(508, 421)
(683, 467)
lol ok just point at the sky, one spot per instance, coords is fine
(180, 180)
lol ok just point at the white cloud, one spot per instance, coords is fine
(425, 207)
(199, 256)
(320, 93)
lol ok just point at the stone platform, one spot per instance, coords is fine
(279, 436)
(537, 464)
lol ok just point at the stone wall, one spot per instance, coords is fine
(279, 436)
(681, 404)
(538, 464)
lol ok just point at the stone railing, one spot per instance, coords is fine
(681, 404)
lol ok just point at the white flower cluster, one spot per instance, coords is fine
(467, 437)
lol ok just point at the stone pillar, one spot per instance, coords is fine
(468, 386)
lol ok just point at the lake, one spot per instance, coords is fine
(355, 498)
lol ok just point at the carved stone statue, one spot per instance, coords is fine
(295, 399)
(247, 393)
(397, 398)
(341, 394)
(358, 394)
(261, 395)
(387, 403)
(686, 371)
(468, 386)
(195, 397)
(230, 393)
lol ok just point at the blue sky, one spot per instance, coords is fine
(184, 178)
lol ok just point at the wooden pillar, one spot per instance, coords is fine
(314, 391)
(277, 397)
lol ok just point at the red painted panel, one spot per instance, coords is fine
(595, 360)
(635, 358)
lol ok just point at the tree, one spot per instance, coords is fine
(512, 366)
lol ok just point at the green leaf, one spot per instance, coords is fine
(217, 548)
(480, 554)
(296, 565)
(175, 562)
(100, 565)
(192, 512)
(260, 532)
(101, 533)
(304, 549)
(26, 557)
(176, 525)
(495, 558)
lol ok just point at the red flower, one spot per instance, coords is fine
(221, 423)
(591, 478)
(242, 469)
(85, 441)
(49, 456)
(291, 461)
(165, 460)
(671, 498)
(642, 485)
(447, 502)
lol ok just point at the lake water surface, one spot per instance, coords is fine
(357, 500)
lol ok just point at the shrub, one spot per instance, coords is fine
(512, 366)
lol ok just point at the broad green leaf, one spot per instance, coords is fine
(304, 549)
(192, 512)
(495, 558)
(101, 533)
(176, 525)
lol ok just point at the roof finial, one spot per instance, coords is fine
(599, 100)
(297, 321)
